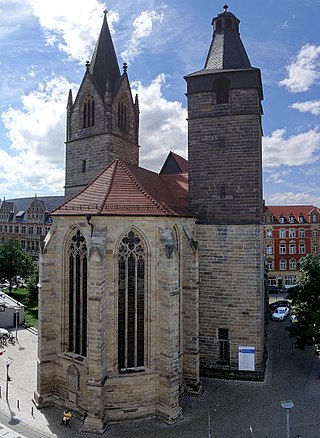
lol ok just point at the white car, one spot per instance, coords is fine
(280, 313)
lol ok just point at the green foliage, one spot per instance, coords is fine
(306, 302)
(32, 283)
(14, 262)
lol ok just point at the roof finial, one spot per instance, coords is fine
(125, 67)
(225, 7)
(105, 12)
(87, 65)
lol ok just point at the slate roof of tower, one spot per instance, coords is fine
(104, 64)
(124, 189)
(226, 50)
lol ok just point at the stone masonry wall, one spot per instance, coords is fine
(225, 181)
(231, 269)
(103, 393)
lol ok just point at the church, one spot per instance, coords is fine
(149, 281)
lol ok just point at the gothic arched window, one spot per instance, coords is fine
(122, 115)
(221, 87)
(77, 295)
(88, 112)
(131, 302)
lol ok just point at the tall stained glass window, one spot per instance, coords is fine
(131, 302)
(77, 294)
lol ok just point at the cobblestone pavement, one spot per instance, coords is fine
(237, 409)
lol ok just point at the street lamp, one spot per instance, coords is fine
(16, 312)
(287, 406)
(8, 379)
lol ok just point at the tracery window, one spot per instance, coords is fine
(77, 295)
(88, 111)
(122, 115)
(131, 302)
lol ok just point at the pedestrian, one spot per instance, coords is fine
(66, 418)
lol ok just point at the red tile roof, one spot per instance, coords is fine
(287, 210)
(124, 189)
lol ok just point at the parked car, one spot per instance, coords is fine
(279, 303)
(280, 313)
(274, 289)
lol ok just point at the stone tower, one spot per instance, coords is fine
(103, 120)
(225, 190)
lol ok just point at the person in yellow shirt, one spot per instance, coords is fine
(66, 418)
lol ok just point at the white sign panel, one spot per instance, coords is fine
(246, 358)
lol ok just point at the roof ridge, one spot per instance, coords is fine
(140, 187)
(114, 162)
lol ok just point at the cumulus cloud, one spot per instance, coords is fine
(310, 106)
(36, 134)
(296, 150)
(303, 72)
(278, 177)
(290, 198)
(163, 125)
(66, 25)
(143, 26)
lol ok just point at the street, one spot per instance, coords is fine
(237, 409)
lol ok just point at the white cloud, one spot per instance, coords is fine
(67, 26)
(143, 26)
(303, 72)
(36, 133)
(310, 106)
(297, 150)
(290, 198)
(278, 177)
(163, 125)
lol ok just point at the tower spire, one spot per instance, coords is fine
(104, 61)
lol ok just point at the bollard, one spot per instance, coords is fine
(0, 392)
(18, 405)
(32, 411)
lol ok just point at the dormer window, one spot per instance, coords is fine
(281, 220)
(88, 112)
(218, 25)
(314, 218)
(221, 87)
(301, 219)
(291, 219)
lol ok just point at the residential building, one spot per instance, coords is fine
(290, 233)
(27, 221)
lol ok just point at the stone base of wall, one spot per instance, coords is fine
(218, 373)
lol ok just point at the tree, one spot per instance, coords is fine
(14, 262)
(306, 302)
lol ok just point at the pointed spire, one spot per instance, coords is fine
(226, 50)
(104, 61)
(70, 99)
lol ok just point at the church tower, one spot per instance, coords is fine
(103, 120)
(225, 191)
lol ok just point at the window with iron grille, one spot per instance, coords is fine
(224, 345)
(77, 295)
(131, 302)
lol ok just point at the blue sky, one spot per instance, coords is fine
(44, 46)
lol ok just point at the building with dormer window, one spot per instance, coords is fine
(290, 233)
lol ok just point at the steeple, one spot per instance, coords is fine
(226, 50)
(104, 63)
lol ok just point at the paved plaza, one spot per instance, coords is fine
(237, 409)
